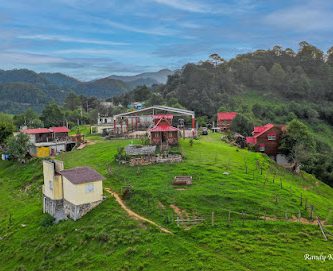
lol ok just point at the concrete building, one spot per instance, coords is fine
(70, 193)
(49, 142)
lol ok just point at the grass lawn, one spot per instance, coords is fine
(107, 239)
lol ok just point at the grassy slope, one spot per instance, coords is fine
(106, 239)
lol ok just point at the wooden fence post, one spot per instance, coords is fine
(213, 218)
(229, 216)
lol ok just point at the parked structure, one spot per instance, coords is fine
(49, 142)
(163, 133)
(70, 193)
(224, 120)
(266, 138)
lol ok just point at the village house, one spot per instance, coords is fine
(224, 120)
(266, 138)
(72, 192)
(45, 142)
(163, 133)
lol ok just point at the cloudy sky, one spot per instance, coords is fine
(90, 39)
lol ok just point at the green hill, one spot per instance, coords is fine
(107, 239)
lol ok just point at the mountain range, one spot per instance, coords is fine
(22, 88)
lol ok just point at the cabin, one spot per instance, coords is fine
(266, 138)
(45, 142)
(224, 120)
(70, 193)
(163, 133)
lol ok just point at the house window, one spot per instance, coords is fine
(271, 137)
(51, 185)
(89, 188)
(261, 147)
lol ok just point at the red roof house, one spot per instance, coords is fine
(163, 132)
(266, 138)
(224, 120)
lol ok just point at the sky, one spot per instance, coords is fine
(92, 39)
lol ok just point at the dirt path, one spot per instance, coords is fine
(133, 214)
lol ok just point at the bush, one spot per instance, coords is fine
(47, 220)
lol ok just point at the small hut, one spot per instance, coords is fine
(163, 132)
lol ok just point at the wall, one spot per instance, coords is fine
(49, 175)
(77, 211)
(77, 194)
(271, 147)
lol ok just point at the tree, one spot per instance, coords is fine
(278, 76)
(242, 124)
(52, 115)
(298, 84)
(262, 78)
(72, 101)
(28, 118)
(6, 127)
(298, 143)
(18, 147)
(216, 59)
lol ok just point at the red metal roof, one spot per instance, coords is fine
(251, 140)
(226, 115)
(59, 129)
(36, 131)
(259, 130)
(163, 126)
(163, 116)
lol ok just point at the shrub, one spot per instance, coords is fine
(47, 220)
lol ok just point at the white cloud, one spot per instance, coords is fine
(304, 18)
(206, 7)
(60, 38)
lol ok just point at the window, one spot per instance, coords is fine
(271, 137)
(261, 147)
(51, 185)
(89, 188)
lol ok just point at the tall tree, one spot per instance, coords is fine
(53, 115)
(18, 147)
(278, 76)
(262, 78)
(6, 127)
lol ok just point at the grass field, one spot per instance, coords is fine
(107, 239)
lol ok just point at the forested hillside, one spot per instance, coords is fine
(22, 88)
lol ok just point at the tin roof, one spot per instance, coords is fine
(163, 126)
(59, 129)
(36, 131)
(81, 175)
(163, 116)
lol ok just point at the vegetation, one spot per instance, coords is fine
(18, 147)
(107, 239)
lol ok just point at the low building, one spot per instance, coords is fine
(224, 120)
(70, 193)
(47, 142)
(266, 138)
(163, 133)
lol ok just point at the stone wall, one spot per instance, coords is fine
(54, 207)
(147, 160)
(77, 211)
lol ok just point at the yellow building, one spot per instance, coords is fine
(70, 193)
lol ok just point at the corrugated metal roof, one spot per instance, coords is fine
(61, 129)
(161, 116)
(36, 131)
